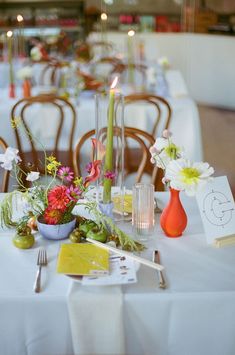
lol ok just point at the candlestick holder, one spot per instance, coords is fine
(109, 146)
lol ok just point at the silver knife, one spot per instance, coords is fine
(156, 259)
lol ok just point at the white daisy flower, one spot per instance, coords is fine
(187, 176)
(161, 143)
(36, 54)
(163, 151)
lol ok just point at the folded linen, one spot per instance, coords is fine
(96, 319)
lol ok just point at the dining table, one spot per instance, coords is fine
(194, 314)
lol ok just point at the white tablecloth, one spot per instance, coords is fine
(185, 123)
(194, 315)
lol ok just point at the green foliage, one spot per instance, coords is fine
(126, 242)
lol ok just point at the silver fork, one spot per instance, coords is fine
(41, 261)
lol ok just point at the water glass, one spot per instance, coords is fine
(143, 210)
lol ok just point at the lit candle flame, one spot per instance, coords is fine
(9, 34)
(114, 83)
(104, 16)
(131, 33)
(20, 18)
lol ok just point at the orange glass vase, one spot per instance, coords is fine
(173, 219)
(26, 88)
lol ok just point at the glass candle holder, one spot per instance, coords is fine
(110, 144)
(143, 210)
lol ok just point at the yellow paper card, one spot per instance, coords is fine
(83, 259)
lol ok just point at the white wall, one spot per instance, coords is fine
(207, 62)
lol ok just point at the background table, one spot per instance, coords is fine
(185, 123)
(194, 315)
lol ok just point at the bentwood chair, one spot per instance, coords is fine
(5, 174)
(162, 110)
(47, 124)
(138, 70)
(105, 67)
(50, 74)
(135, 150)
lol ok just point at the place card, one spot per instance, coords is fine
(122, 271)
(217, 210)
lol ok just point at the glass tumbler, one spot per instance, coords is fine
(143, 210)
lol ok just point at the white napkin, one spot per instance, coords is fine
(96, 320)
(176, 83)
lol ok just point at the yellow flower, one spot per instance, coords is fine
(77, 181)
(52, 165)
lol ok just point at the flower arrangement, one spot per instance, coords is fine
(53, 203)
(25, 73)
(180, 173)
(39, 53)
(164, 63)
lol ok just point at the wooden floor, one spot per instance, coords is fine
(218, 137)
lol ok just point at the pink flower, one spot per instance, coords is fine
(65, 173)
(73, 193)
(109, 175)
(166, 134)
(94, 172)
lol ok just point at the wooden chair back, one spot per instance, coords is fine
(5, 174)
(50, 74)
(139, 153)
(105, 67)
(159, 103)
(139, 73)
(24, 132)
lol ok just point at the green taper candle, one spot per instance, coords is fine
(108, 166)
(9, 43)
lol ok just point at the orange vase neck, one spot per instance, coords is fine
(27, 88)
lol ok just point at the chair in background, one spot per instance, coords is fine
(138, 152)
(161, 106)
(5, 174)
(105, 67)
(161, 120)
(139, 74)
(55, 128)
(50, 74)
